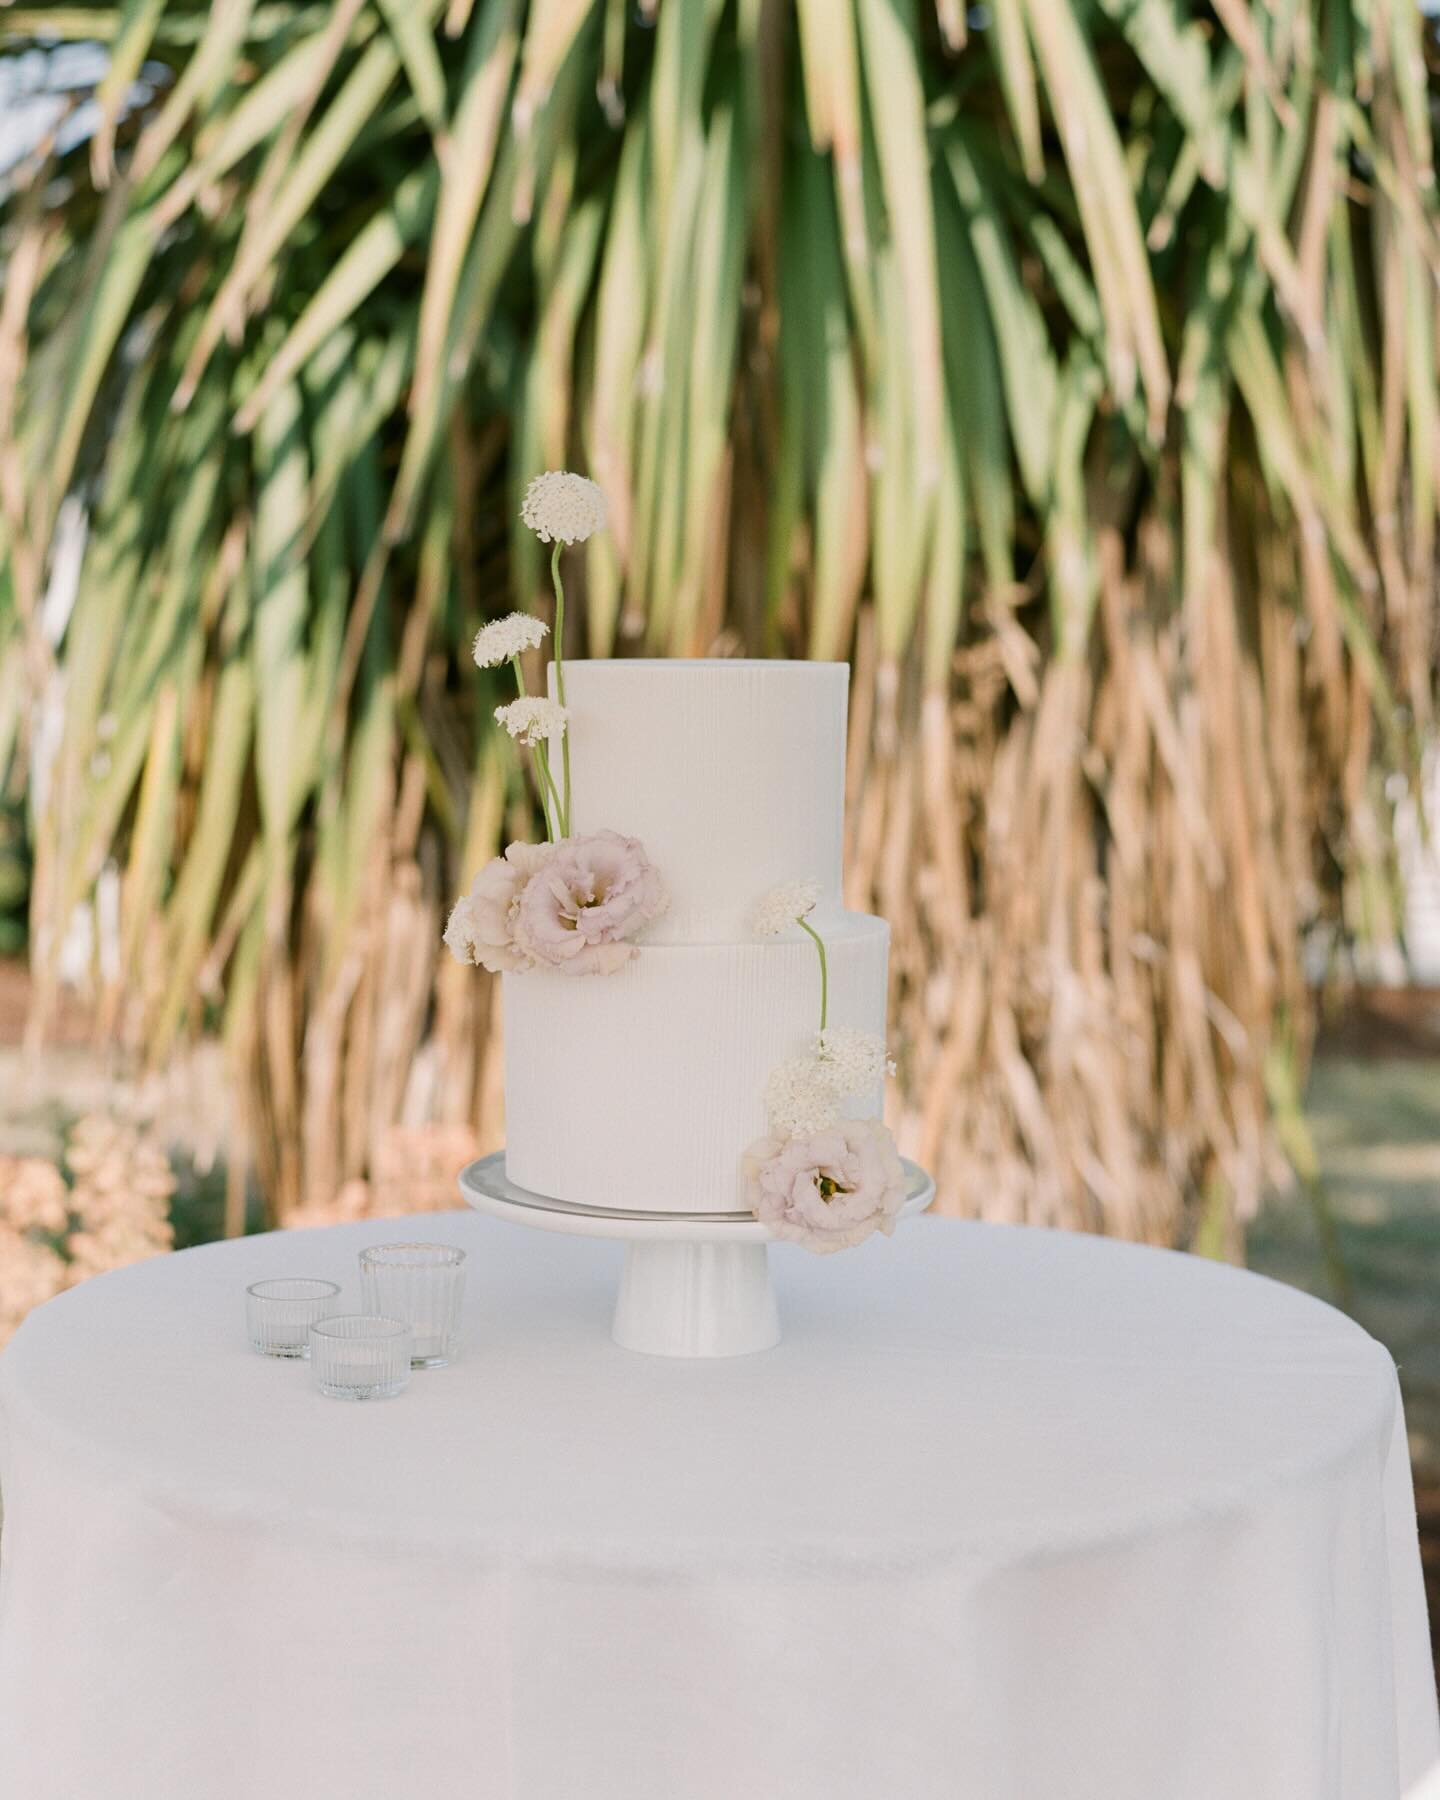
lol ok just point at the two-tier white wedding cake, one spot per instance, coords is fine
(642, 1089)
(694, 1025)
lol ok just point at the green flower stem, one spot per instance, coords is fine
(560, 678)
(824, 971)
(549, 798)
(548, 795)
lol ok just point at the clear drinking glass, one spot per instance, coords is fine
(358, 1356)
(279, 1313)
(424, 1284)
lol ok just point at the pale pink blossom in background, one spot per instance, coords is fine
(30, 1274)
(829, 1190)
(33, 1195)
(121, 1196)
(114, 1211)
(413, 1169)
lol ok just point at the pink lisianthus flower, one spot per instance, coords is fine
(593, 895)
(828, 1190)
(482, 925)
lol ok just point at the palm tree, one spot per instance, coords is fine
(1070, 366)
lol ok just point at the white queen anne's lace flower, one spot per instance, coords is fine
(784, 906)
(563, 508)
(801, 1097)
(854, 1060)
(502, 640)
(533, 719)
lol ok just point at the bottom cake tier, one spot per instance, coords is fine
(641, 1090)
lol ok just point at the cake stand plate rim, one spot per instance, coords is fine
(484, 1186)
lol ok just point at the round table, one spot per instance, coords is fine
(1007, 1515)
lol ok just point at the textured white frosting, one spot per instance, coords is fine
(642, 1089)
(731, 773)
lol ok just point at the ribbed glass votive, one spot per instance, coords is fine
(424, 1284)
(279, 1313)
(357, 1356)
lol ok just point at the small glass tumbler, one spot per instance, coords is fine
(358, 1356)
(279, 1313)
(424, 1284)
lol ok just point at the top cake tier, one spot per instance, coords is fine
(731, 773)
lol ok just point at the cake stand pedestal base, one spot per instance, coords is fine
(694, 1284)
(680, 1299)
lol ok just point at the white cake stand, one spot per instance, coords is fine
(694, 1284)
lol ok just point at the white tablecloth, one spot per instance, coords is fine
(1009, 1515)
